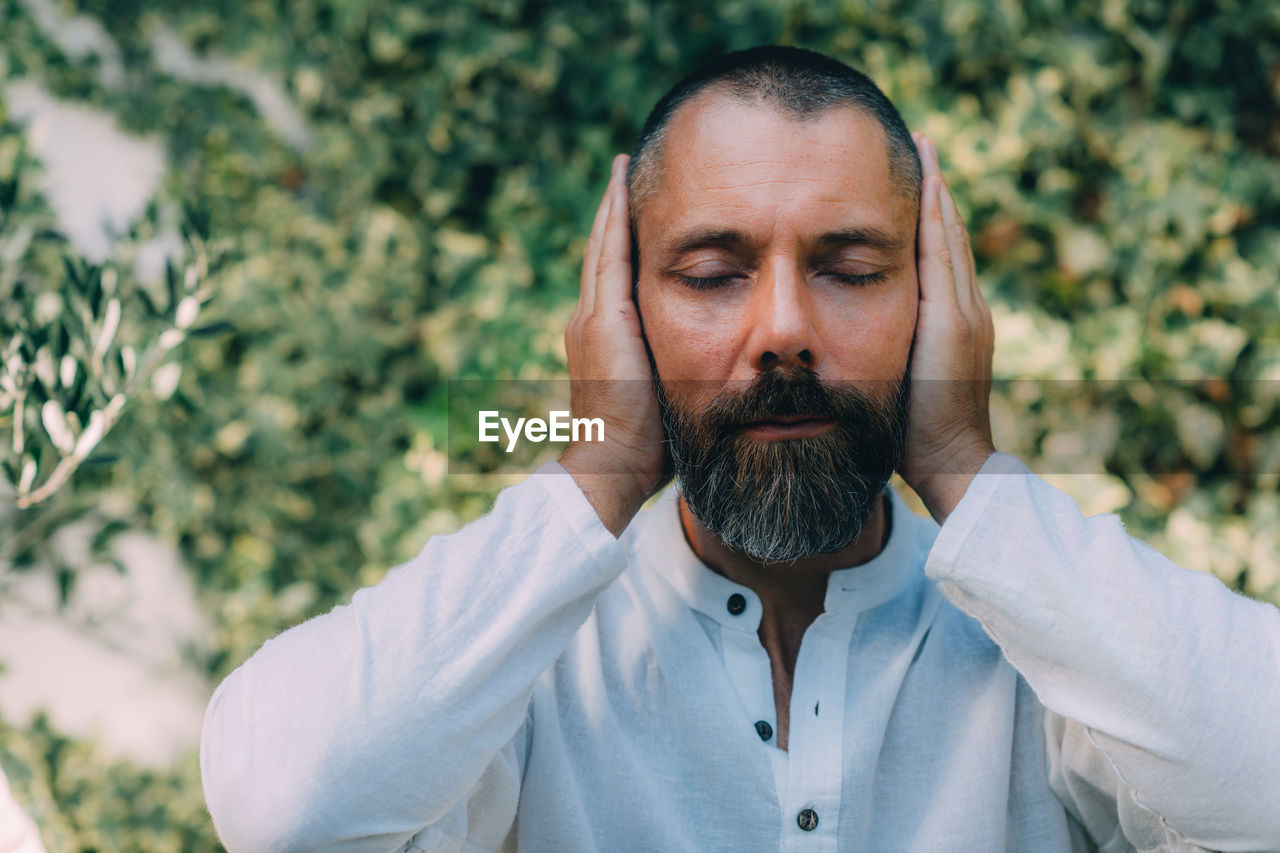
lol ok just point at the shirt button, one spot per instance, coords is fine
(808, 820)
(764, 730)
(737, 604)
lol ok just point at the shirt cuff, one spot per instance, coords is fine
(601, 545)
(960, 524)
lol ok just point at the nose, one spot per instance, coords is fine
(782, 321)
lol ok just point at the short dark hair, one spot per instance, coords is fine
(802, 83)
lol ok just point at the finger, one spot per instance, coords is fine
(591, 256)
(933, 262)
(613, 272)
(968, 243)
(928, 156)
(937, 283)
(959, 247)
(961, 254)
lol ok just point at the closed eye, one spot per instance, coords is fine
(859, 280)
(706, 282)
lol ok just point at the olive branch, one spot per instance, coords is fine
(79, 344)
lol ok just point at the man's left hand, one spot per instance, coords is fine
(949, 428)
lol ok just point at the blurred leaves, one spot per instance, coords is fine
(75, 796)
(79, 343)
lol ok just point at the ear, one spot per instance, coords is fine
(635, 267)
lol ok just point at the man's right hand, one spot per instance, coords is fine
(609, 373)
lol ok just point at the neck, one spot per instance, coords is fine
(792, 594)
(783, 587)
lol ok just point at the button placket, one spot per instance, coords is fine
(816, 739)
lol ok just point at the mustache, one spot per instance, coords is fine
(794, 392)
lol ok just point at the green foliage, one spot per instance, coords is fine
(1116, 161)
(79, 343)
(83, 801)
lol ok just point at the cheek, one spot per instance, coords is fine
(689, 338)
(870, 339)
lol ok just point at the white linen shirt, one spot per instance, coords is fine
(1031, 681)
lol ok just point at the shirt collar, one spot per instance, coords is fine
(662, 545)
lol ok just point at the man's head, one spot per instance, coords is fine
(796, 82)
(774, 202)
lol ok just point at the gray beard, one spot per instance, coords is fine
(780, 501)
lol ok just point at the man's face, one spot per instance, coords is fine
(777, 284)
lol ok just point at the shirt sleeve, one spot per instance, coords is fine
(1162, 686)
(393, 723)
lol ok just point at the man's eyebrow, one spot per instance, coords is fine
(728, 238)
(706, 238)
(868, 236)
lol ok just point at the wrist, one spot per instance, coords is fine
(943, 484)
(613, 492)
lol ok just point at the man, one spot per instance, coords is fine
(779, 656)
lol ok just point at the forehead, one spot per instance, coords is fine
(752, 167)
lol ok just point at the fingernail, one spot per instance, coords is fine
(617, 167)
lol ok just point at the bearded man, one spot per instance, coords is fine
(778, 654)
